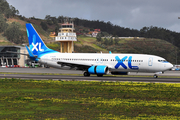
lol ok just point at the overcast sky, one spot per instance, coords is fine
(133, 14)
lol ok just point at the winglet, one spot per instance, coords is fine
(110, 52)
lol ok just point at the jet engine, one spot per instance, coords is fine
(100, 69)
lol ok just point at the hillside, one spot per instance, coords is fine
(90, 44)
(129, 45)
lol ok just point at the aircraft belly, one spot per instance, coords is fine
(124, 70)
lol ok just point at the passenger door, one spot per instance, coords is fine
(150, 61)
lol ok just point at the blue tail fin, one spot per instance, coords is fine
(36, 45)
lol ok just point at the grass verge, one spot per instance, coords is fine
(48, 99)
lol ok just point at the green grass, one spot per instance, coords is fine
(32, 99)
(99, 48)
(90, 41)
(87, 39)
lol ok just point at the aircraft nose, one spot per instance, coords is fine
(170, 66)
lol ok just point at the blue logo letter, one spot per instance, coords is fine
(130, 66)
(120, 62)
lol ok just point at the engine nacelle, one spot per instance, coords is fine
(100, 69)
(119, 73)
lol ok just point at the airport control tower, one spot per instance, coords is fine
(66, 36)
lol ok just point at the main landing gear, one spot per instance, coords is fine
(86, 74)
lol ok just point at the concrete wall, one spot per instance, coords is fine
(22, 57)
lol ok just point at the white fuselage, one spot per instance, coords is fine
(115, 62)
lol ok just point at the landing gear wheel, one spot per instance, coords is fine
(86, 74)
(155, 76)
(99, 75)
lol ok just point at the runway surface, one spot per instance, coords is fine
(78, 77)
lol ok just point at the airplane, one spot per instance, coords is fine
(94, 63)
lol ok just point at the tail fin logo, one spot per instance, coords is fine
(35, 47)
(36, 44)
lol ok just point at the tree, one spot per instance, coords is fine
(111, 41)
(106, 41)
(51, 20)
(13, 33)
(116, 40)
(98, 37)
(3, 5)
(57, 29)
(8, 13)
(7, 10)
(44, 26)
(3, 24)
(13, 10)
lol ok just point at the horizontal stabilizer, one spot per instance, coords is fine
(17, 53)
(33, 57)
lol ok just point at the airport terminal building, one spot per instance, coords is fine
(12, 59)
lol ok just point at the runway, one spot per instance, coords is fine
(79, 77)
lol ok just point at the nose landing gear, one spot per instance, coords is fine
(155, 76)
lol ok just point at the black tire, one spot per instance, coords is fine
(155, 76)
(86, 74)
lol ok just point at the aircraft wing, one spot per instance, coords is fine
(77, 66)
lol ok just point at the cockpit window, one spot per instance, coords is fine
(162, 61)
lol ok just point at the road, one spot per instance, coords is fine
(79, 77)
